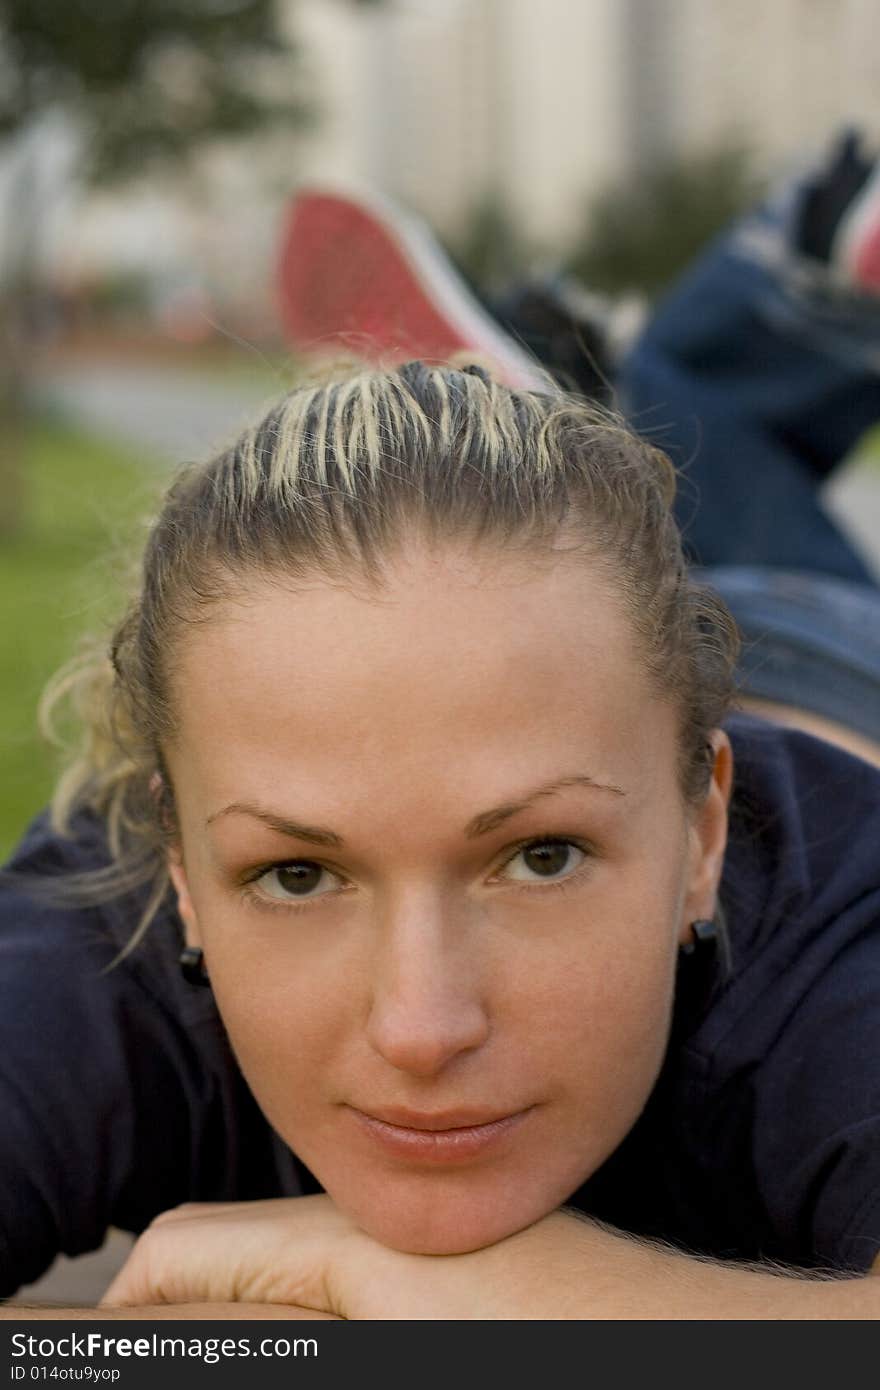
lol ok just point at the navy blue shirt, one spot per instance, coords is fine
(120, 1095)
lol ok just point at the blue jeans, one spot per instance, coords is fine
(808, 640)
(757, 376)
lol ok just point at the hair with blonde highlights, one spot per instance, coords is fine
(328, 484)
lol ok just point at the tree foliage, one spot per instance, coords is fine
(491, 250)
(147, 80)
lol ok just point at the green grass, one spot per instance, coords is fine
(867, 451)
(59, 578)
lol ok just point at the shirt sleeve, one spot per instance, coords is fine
(65, 1138)
(790, 1048)
(96, 1122)
(817, 1117)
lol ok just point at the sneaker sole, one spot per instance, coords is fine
(358, 274)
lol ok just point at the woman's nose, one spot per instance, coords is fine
(427, 1005)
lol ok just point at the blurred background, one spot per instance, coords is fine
(148, 149)
(150, 146)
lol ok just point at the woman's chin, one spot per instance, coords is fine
(414, 1239)
(438, 1227)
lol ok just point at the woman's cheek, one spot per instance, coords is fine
(281, 997)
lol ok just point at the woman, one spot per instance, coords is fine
(420, 713)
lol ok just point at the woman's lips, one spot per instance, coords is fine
(447, 1138)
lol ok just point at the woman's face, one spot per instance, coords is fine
(434, 848)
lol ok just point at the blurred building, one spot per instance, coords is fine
(532, 104)
(540, 103)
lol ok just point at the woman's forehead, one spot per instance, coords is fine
(438, 669)
(439, 617)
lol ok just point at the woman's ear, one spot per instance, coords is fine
(160, 791)
(708, 838)
(185, 909)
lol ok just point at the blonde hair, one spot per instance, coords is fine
(328, 483)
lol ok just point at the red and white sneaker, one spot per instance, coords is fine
(856, 245)
(837, 219)
(357, 273)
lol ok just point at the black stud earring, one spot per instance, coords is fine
(192, 966)
(703, 966)
(705, 939)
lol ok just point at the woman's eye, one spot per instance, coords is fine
(298, 879)
(544, 859)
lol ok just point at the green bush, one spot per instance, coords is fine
(639, 234)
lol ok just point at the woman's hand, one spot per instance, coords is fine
(303, 1251)
(283, 1251)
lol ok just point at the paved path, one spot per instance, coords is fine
(175, 412)
(78, 1283)
(854, 501)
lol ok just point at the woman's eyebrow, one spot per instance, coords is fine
(315, 834)
(490, 820)
(480, 825)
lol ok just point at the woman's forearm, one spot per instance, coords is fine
(568, 1267)
(201, 1312)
